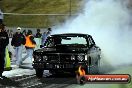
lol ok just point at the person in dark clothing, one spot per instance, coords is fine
(18, 41)
(30, 45)
(4, 41)
(38, 34)
(38, 39)
(49, 31)
(18, 38)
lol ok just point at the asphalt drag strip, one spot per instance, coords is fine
(53, 81)
(31, 81)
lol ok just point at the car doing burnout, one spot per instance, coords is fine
(65, 53)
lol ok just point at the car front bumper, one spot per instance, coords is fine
(53, 66)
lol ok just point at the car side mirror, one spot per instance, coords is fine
(41, 46)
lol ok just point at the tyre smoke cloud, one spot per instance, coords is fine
(108, 21)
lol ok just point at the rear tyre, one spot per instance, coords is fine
(97, 65)
(94, 68)
(39, 73)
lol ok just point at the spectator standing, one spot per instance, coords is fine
(18, 41)
(4, 41)
(49, 31)
(38, 34)
(38, 39)
(30, 45)
(45, 35)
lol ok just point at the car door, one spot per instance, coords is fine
(93, 52)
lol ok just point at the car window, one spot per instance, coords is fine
(90, 41)
(65, 40)
(74, 40)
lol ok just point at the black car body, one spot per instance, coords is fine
(66, 52)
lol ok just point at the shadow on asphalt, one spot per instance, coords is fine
(4, 81)
(59, 79)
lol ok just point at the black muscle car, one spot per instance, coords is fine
(66, 52)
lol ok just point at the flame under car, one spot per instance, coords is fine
(66, 52)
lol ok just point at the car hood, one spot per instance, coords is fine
(64, 49)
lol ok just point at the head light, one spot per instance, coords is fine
(86, 57)
(73, 57)
(80, 57)
(45, 58)
(37, 58)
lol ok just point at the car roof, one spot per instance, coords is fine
(69, 34)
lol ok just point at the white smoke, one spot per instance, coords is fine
(108, 21)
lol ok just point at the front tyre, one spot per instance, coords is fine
(39, 73)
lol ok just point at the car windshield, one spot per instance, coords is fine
(73, 40)
(51, 41)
